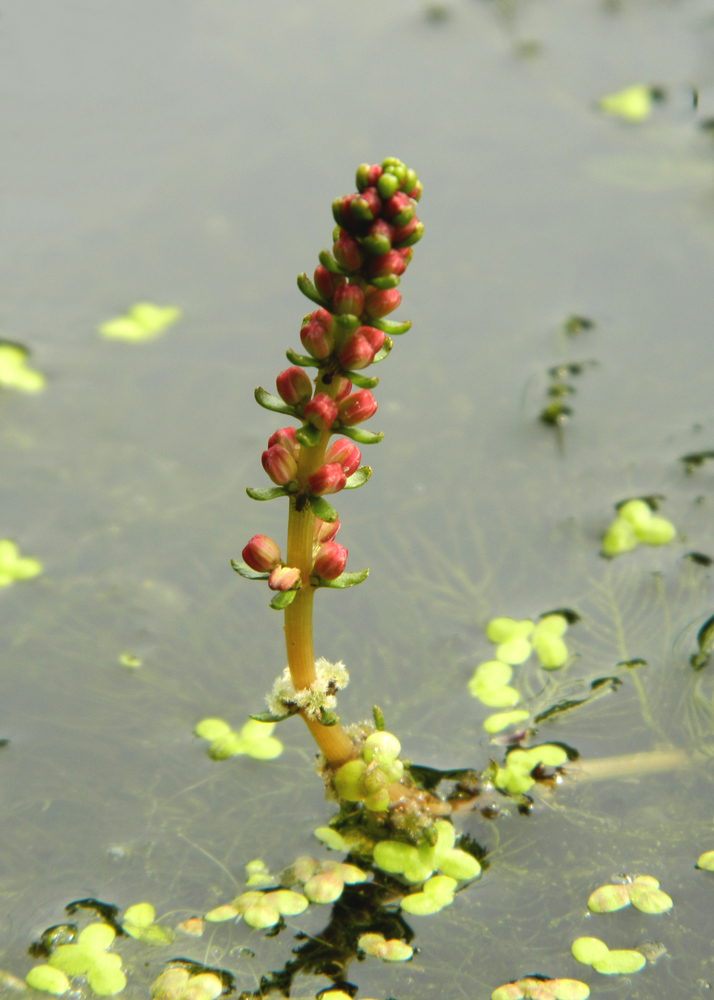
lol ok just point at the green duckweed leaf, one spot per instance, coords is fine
(571, 989)
(501, 630)
(620, 537)
(490, 684)
(540, 988)
(47, 979)
(171, 984)
(225, 746)
(502, 720)
(140, 914)
(620, 963)
(14, 370)
(72, 959)
(105, 979)
(547, 642)
(437, 892)
(648, 897)
(13, 566)
(393, 950)
(460, 865)
(706, 861)
(144, 321)
(633, 104)
(515, 651)
(608, 898)
(130, 661)
(96, 937)
(212, 729)
(324, 888)
(221, 913)
(588, 950)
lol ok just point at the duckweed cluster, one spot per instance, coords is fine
(515, 641)
(542, 988)
(15, 373)
(643, 892)
(636, 524)
(322, 881)
(616, 962)
(143, 321)
(177, 983)
(260, 910)
(88, 956)
(393, 950)
(516, 777)
(367, 778)
(139, 922)
(254, 740)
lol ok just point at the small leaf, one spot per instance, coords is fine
(345, 580)
(362, 436)
(144, 321)
(322, 509)
(242, 569)
(220, 914)
(282, 599)
(226, 746)
(274, 403)
(329, 262)
(105, 980)
(140, 914)
(302, 360)
(72, 959)
(706, 861)
(308, 289)
(383, 352)
(502, 720)
(308, 435)
(361, 381)
(266, 492)
(14, 371)
(634, 104)
(649, 899)
(47, 979)
(392, 327)
(588, 950)
(269, 717)
(358, 478)
(97, 936)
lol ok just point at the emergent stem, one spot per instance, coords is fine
(333, 741)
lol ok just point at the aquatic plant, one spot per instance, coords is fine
(143, 321)
(354, 287)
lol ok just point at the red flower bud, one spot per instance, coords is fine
(342, 212)
(321, 411)
(374, 336)
(324, 531)
(261, 554)
(345, 453)
(316, 334)
(294, 386)
(286, 437)
(356, 407)
(409, 229)
(406, 253)
(330, 560)
(378, 238)
(348, 299)
(387, 263)
(327, 479)
(357, 352)
(367, 205)
(381, 302)
(284, 578)
(347, 253)
(343, 388)
(367, 176)
(279, 464)
(326, 282)
(399, 209)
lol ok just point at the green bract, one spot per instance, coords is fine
(393, 950)
(634, 103)
(254, 739)
(490, 684)
(540, 988)
(14, 370)
(515, 778)
(13, 566)
(417, 862)
(706, 861)
(144, 321)
(437, 892)
(642, 892)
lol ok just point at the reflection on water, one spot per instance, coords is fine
(188, 157)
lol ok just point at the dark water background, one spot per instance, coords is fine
(187, 153)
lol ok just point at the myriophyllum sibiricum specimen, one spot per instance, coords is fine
(354, 289)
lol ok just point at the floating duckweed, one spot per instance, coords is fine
(502, 720)
(634, 103)
(436, 893)
(144, 321)
(511, 637)
(176, 983)
(138, 922)
(254, 739)
(541, 988)
(89, 957)
(130, 661)
(706, 861)
(193, 926)
(642, 892)
(324, 882)
(636, 523)
(515, 778)
(15, 373)
(261, 909)
(366, 779)
(258, 874)
(618, 962)
(548, 643)
(588, 950)
(351, 841)
(47, 979)
(13, 566)
(417, 862)
(393, 950)
(490, 684)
